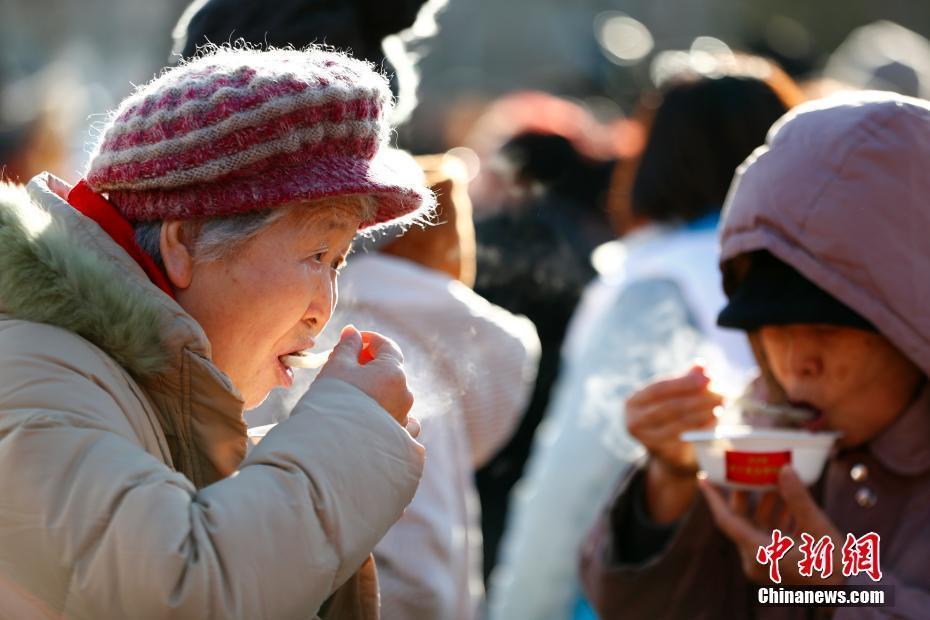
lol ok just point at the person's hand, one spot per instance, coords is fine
(792, 510)
(374, 364)
(658, 414)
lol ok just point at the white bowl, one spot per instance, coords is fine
(743, 457)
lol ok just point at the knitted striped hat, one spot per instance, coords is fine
(239, 130)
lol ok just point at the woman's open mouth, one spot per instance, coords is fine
(817, 420)
(285, 373)
(291, 359)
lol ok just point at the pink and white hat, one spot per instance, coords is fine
(240, 130)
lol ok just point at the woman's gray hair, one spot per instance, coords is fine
(216, 238)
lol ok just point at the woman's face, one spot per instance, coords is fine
(856, 380)
(270, 297)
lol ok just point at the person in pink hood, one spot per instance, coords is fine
(826, 264)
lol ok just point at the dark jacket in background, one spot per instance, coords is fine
(534, 259)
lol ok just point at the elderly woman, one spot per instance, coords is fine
(143, 309)
(652, 310)
(826, 264)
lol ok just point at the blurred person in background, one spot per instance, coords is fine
(882, 56)
(649, 313)
(484, 127)
(358, 26)
(471, 364)
(533, 259)
(144, 308)
(828, 284)
(34, 123)
(879, 56)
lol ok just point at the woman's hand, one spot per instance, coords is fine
(793, 511)
(374, 364)
(657, 415)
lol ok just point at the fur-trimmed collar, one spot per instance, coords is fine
(59, 267)
(50, 276)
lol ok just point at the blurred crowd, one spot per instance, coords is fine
(590, 284)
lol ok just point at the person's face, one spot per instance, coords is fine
(270, 297)
(857, 380)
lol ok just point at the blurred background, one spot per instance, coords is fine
(64, 61)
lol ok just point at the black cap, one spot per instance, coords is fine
(359, 25)
(774, 293)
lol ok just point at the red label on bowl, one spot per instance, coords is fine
(755, 467)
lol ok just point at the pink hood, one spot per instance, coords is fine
(841, 192)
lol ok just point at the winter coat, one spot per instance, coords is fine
(125, 492)
(649, 314)
(839, 192)
(471, 367)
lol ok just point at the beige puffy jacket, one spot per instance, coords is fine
(126, 492)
